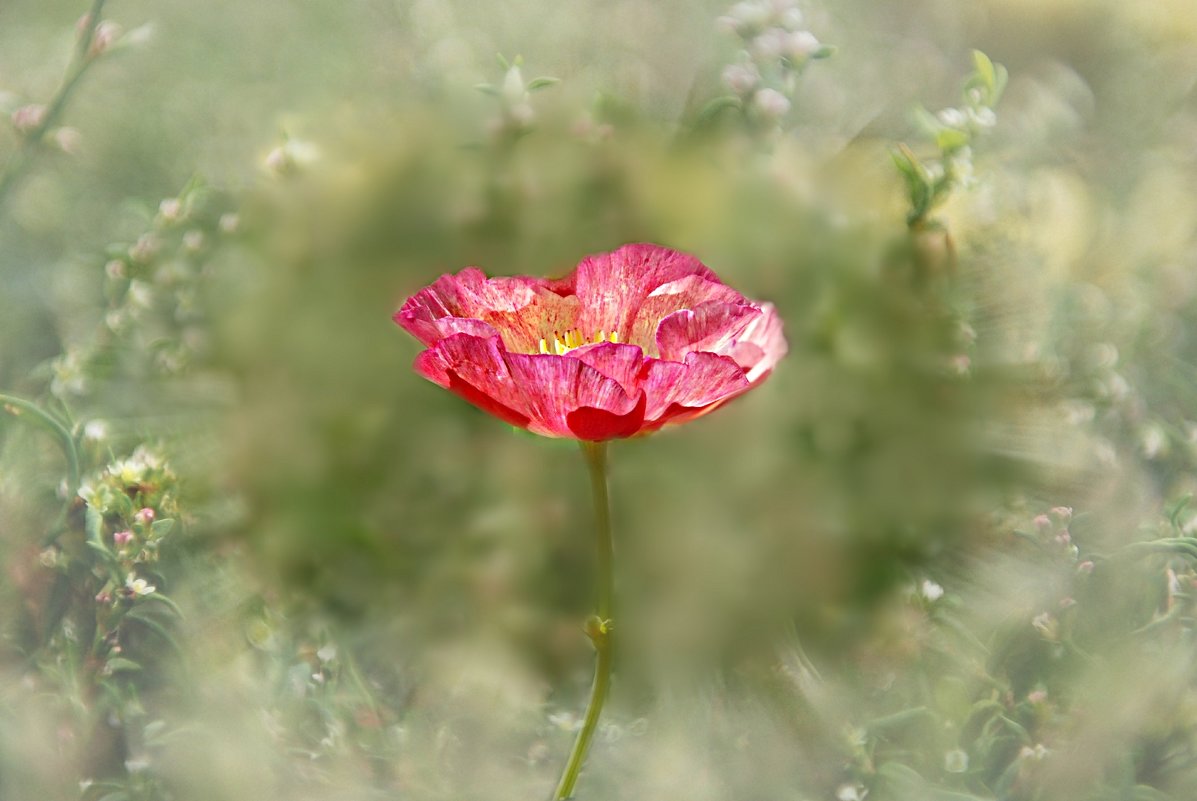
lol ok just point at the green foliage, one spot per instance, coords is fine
(946, 552)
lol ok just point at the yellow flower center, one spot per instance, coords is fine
(567, 341)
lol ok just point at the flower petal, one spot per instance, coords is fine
(617, 361)
(709, 327)
(673, 388)
(556, 387)
(473, 368)
(761, 345)
(612, 286)
(684, 293)
(519, 309)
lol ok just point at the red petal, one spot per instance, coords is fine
(617, 361)
(474, 369)
(556, 386)
(599, 424)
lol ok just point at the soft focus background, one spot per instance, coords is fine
(944, 553)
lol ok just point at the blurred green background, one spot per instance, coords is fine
(848, 582)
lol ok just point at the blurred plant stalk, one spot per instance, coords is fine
(599, 625)
(88, 48)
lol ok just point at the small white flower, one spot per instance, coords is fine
(327, 654)
(95, 431)
(139, 586)
(953, 118)
(983, 117)
(930, 590)
(850, 792)
(955, 761)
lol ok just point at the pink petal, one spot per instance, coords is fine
(709, 327)
(761, 345)
(557, 387)
(612, 286)
(684, 293)
(520, 309)
(474, 368)
(617, 361)
(701, 380)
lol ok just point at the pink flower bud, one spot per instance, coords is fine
(1085, 567)
(1043, 524)
(104, 37)
(27, 119)
(1062, 514)
(122, 538)
(144, 515)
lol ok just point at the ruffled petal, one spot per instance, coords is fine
(675, 388)
(474, 368)
(612, 286)
(709, 327)
(621, 363)
(761, 345)
(684, 293)
(560, 389)
(519, 309)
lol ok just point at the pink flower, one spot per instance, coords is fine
(626, 343)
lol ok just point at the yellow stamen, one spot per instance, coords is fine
(562, 343)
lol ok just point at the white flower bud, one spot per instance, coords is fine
(514, 91)
(791, 19)
(771, 104)
(741, 78)
(67, 140)
(800, 46)
(769, 45)
(171, 209)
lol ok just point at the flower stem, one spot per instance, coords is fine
(18, 162)
(599, 626)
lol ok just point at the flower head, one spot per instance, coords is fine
(628, 342)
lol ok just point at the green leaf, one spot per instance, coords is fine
(149, 622)
(714, 108)
(541, 83)
(487, 89)
(161, 528)
(985, 71)
(160, 598)
(825, 51)
(19, 407)
(949, 139)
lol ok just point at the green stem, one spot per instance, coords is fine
(599, 626)
(55, 426)
(19, 161)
